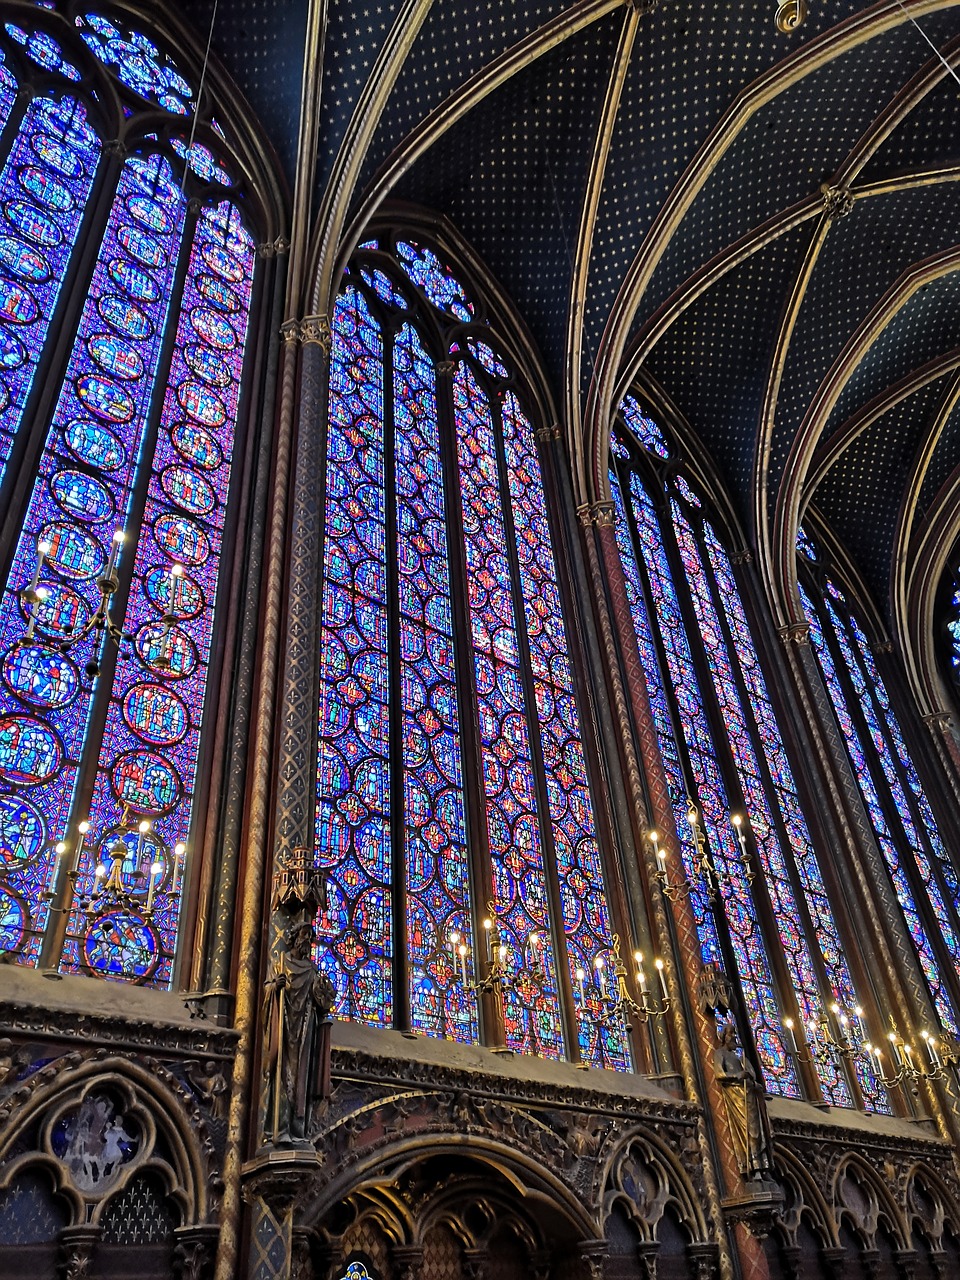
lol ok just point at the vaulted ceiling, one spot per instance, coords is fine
(763, 224)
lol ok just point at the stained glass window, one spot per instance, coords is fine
(455, 811)
(757, 893)
(922, 874)
(128, 426)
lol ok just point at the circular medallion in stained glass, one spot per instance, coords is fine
(94, 444)
(222, 263)
(73, 552)
(62, 612)
(145, 781)
(12, 352)
(134, 280)
(166, 652)
(81, 495)
(13, 917)
(17, 303)
(181, 539)
(218, 294)
(23, 260)
(105, 398)
(155, 714)
(46, 189)
(143, 248)
(196, 445)
(202, 404)
(187, 598)
(115, 356)
(40, 675)
(124, 316)
(118, 945)
(206, 364)
(213, 329)
(150, 213)
(188, 490)
(30, 751)
(57, 155)
(33, 223)
(22, 832)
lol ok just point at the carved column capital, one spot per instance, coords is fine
(742, 557)
(592, 1254)
(445, 368)
(941, 720)
(882, 646)
(834, 1262)
(551, 432)
(703, 1260)
(316, 331)
(476, 1264)
(407, 1261)
(596, 513)
(906, 1262)
(795, 633)
(77, 1245)
(872, 1263)
(194, 1253)
(290, 331)
(273, 248)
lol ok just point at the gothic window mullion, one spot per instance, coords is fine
(919, 903)
(401, 990)
(28, 441)
(481, 863)
(571, 1028)
(717, 913)
(107, 665)
(758, 891)
(825, 986)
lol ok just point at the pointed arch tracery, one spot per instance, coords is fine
(454, 782)
(127, 264)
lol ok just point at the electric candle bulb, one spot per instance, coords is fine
(658, 965)
(581, 975)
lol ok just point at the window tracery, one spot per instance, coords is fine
(452, 771)
(922, 874)
(760, 904)
(127, 425)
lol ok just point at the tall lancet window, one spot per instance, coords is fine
(455, 813)
(757, 893)
(922, 874)
(125, 291)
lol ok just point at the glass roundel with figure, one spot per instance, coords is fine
(126, 280)
(455, 812)
(757, 890)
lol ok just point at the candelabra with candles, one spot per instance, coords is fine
(608, 1000)
(124, 882)
(498, 977)
(705, 868)
(34, 595)
(848, 1042)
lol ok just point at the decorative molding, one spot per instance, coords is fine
(795, 633)
(791, 14)
(838, 202)
(112, 1030)
(598, 514)
(941, 720)
(315, 330)
(274, 248)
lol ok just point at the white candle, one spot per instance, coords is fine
(788, 1023)
(641, 975)
(43, 550)
(179, 854)
(175, 572)
(532, 946)
(118, 537)
(658, 965)
(462, 952)
(858, 1014)
(155, 870)
(454, 940)
(581, 974)
(142, 830)
(601, 976)
(487, 933)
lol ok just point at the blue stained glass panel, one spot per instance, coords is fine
(435, 849)
(531, 1005)
(868, 788)
(586, 918)
(42, 208)
(353, 782)
(77, 547)
(149, 751)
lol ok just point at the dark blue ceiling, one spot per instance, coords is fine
(511, 176)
